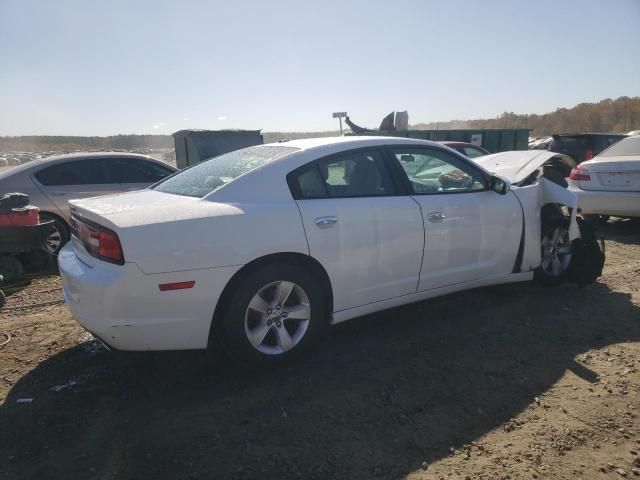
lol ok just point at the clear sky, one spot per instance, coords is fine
(153, 66)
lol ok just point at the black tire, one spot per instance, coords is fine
(541, 275)
(58, 237)
(10, 268)
(232, 330)
(3, 299)
(36, 260)
(588, 257)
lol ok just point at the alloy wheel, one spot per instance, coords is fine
(53, 242)
(556, 252)
(277, 317)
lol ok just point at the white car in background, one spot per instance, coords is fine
(260, 249)
(609, 184)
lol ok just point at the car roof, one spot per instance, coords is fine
(38, 163)
(87, 155)
(351, 141)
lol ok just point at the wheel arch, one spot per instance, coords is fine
(56, 216)
(294, 258)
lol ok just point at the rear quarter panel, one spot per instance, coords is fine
(240, 234)
(22, 182)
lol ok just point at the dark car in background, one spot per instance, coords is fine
(583, 146)
(469, 150)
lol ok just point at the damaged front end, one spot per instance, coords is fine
(556, 245)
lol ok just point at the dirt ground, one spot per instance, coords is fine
(509, 382)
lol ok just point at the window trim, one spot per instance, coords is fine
(398, 185)
(459, 156)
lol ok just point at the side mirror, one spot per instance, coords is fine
(500, 185)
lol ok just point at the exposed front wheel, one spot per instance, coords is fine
(557, 251)
(276, 313)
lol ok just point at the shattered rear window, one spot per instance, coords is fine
(210, 175)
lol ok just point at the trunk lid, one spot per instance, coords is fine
(137, 208)
(614, 174)
(160, 232)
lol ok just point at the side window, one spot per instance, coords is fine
(311, 184)
(75, 172)
(471, 152)
(354, 174)
(137, 170)
(437, 171)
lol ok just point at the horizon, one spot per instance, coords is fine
(78, 69)
(330, 131)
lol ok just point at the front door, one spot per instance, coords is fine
(471, 231)
(368, 237)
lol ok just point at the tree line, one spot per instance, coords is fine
(619, 115)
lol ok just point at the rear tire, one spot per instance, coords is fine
(274, 315)
(58, 237)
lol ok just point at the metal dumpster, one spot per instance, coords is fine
(193, 146)
(494, 139)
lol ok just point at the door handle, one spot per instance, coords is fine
(325, 221)
(436, 216)
(59, 193)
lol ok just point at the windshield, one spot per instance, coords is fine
(627, 146)
(212, 174)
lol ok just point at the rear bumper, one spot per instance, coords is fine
(621, 204)
(126, 309)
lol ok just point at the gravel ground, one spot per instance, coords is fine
(508, 382)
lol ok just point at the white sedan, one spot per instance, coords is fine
(260, 249)
(609, 184)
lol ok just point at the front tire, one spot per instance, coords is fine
(557, 252)
(274, 315)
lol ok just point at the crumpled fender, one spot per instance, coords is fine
(532, 198)
(554, 193)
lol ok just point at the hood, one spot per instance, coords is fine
(517, 165)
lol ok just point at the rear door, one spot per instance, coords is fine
(137, 173)
(471, 232)
(366, 233)
(81, 178)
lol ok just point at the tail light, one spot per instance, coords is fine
(579, 174)
(588, 155)
(99, 241)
